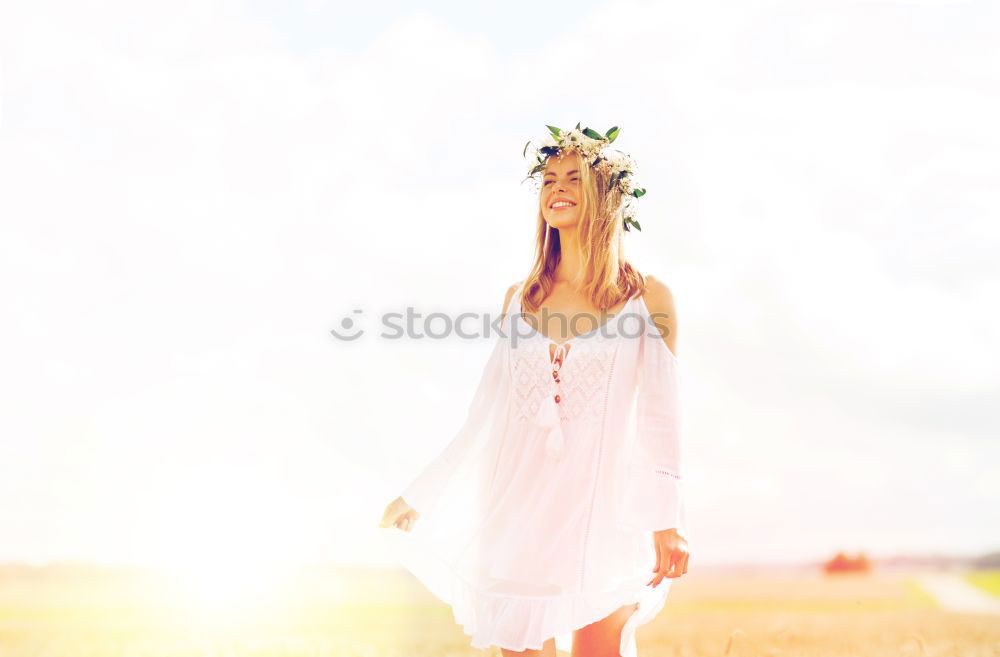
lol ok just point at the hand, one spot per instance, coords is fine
(399, 514)
(671, 555)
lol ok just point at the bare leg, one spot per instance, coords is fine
(548, 650)
(602, 638)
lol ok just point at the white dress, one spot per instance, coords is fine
(537, 518)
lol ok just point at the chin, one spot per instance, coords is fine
(562, 221)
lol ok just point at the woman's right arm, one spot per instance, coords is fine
(425, 489)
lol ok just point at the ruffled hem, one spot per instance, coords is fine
(520, 623)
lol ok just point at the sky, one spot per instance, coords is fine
(193, 194)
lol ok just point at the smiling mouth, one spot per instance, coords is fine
(562, 205)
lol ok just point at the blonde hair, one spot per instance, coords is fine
(607, 278)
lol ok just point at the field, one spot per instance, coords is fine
(380, 613)
(986, 580)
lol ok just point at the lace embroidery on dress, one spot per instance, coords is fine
(583, 375)
(530, 373)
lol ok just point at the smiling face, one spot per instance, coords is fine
(562, 190)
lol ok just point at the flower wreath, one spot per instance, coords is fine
(592, 147)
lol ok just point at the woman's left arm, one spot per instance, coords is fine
(654, 492)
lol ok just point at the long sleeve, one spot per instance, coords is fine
(424, 491)
(654, 497)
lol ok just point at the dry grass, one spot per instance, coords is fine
(716, 615)
(987, 580)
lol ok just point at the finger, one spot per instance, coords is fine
(677, 563)
(684, 566)
(656, 566)
(653, 578)
(669, 566)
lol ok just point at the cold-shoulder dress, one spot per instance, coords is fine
(537, 518)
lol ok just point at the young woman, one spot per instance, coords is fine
(555, 518)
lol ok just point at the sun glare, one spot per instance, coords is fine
(225, 552)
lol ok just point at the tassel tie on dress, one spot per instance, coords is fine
(547, 417)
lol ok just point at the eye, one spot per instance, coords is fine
(547, 182)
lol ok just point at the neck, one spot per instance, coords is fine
(570, 264)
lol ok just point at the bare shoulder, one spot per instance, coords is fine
(510, 294)
(660, 302)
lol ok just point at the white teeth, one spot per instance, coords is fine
(562, 204)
